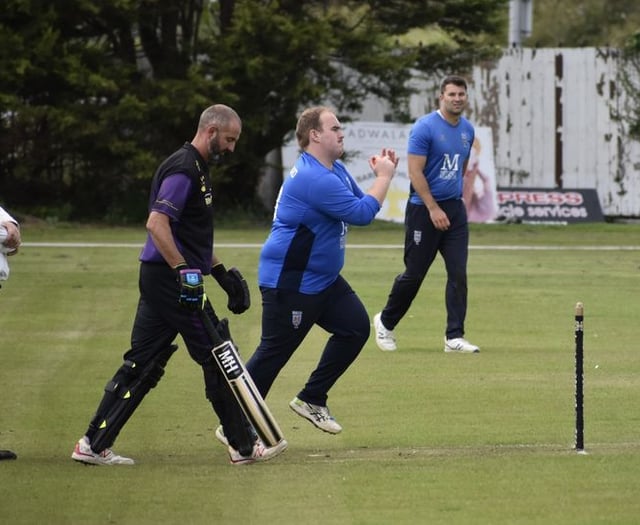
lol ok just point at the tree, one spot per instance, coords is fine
(338, 52)
(85, 110)
(583, 23)
(94, 94)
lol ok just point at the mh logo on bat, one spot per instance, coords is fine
(228, 360)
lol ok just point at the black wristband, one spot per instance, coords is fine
(180, 266)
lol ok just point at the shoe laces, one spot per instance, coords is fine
(387, 336)
(259, 449)
(319, 412)
(383, 333)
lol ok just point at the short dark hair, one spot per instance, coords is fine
(456, 80)
(310, 119)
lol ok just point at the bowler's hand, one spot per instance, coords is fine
(391, 154)
(384, 164)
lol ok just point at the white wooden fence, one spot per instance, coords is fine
(552, 114)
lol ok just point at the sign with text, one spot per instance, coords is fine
(540, 206)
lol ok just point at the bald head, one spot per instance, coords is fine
(218, 132)
(219, 116)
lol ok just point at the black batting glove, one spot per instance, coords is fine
(192, 294)
(232, 282)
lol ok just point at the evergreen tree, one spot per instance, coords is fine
(94, 94)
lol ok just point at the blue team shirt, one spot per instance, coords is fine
(447, 148)
(305, 249)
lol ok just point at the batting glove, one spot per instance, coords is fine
(232, 282)
(192, 294)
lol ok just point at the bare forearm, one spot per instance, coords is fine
(421, 187)
(379, 189)
(159, 228)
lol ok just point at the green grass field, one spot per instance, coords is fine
(428, 437)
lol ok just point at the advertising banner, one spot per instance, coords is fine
(548, 206)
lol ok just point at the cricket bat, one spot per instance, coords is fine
(242, 385)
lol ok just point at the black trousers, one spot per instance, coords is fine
(421, 244)
(287, 318)
(159, 319)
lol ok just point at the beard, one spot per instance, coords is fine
(455, 109)
(216, 155)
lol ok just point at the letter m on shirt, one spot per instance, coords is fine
(449, 164)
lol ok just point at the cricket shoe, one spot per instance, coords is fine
(385, 339)
(221, 437)
(318, 415)
(83, 453)
(460, 345)
(260, 452)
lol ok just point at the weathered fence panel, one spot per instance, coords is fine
(553, 113)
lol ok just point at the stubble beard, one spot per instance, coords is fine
(215, 155)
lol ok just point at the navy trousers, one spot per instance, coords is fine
(287, 318)
(421, 244)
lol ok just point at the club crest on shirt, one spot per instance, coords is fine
(296, 318)
(466, 140)
(417, 237)
(207, 195)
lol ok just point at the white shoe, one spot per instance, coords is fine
(221, 437)
(260, 453)
(385, 339)
(317, 414)
(460, 345)
(83, 453)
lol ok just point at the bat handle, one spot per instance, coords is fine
(211, 330)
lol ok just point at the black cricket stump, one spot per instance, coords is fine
(579, 338)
